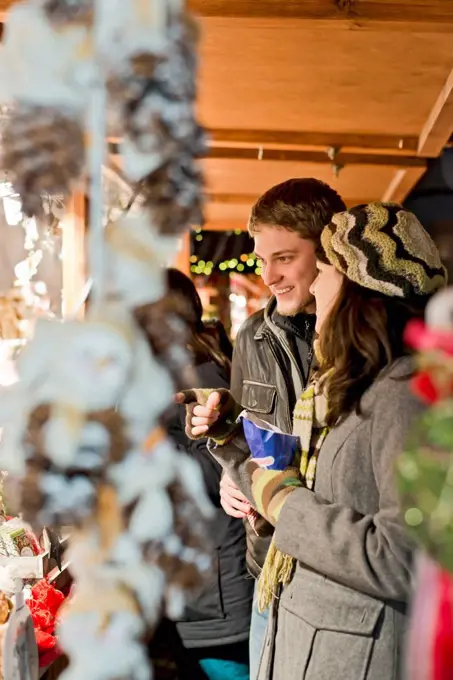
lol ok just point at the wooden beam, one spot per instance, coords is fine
(231, 199)
(250, 199)
(404, 144)
(73, 254)
(274, 138)
(182, 261)
(400, 15)
(402, 184)
(308, 156)
(225, 225)
(439, 127)
(344, 158)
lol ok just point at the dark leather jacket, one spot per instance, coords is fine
(267, 378)
(220, 613)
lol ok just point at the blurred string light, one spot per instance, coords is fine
(246, 264)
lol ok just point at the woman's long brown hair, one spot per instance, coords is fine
(207, 342)
(362, 335)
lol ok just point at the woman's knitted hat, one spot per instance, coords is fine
(384, 247)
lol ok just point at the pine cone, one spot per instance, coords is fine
(187, 568)
(34, 500)
(68, 11)
(162, 323)
(172, 195)
(175, 76)
(44, 150)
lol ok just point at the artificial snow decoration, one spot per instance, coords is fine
(84, 435)
(41, 66)
(135, 255)
(43, 73)
(154, 85)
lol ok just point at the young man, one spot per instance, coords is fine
(274, 348)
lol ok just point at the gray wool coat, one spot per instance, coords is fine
(343, 616)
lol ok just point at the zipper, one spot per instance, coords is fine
(309, 333)
(246, 381)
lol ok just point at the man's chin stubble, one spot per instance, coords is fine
(307, 306)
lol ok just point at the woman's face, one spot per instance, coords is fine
(325, 289)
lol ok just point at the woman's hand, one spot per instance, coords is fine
(233, 501)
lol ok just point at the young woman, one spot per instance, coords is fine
(339, 571)
(215, 628)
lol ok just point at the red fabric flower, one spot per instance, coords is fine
(47, 658)
(424, 388)
(42, 619)
(50, 598)
(45, 641)
(44, 605)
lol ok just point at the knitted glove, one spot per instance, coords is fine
(271, 488)
(225, 426)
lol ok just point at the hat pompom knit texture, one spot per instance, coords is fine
(383, 247)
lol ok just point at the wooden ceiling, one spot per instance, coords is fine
(284, 84)
(358, 93)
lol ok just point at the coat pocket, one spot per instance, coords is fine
(258, 397)
(325, 631)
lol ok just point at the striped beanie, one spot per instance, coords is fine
(384, 247)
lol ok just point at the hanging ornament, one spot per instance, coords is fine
(41, 69)
(155, 89)
(83, 439)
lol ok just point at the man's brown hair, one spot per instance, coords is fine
(303, 205)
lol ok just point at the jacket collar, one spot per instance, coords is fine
(267, 320)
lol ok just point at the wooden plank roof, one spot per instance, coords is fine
(358, 93)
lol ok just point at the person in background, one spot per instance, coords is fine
(340, 573)
(215, 628)
(273, 352)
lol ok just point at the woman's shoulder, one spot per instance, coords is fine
(392, 388)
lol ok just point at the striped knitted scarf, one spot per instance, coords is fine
(310, 426)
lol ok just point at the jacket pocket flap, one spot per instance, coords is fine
(327, 605)
(258, 397)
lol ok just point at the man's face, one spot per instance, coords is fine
(289, 268)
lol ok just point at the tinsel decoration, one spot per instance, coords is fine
(44, 149)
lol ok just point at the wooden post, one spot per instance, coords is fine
(182, 261)
(73, 254)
